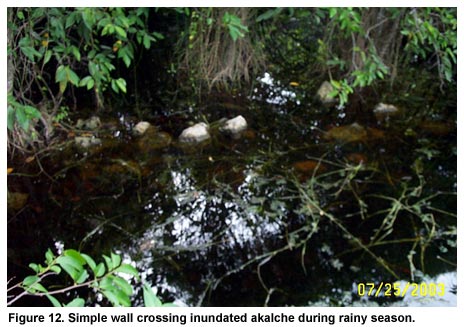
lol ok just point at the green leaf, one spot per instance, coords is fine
(29, 280)
(121, 83)
(10, 118)
(88, 17)
(106, 29)
(157, 35)
(78, 302)
(60, 74)
(146, 41)
(53, 300)
(71, 265)
(116, 259)
(99, 270)
(30, 52)
(108, 262)
(268, 14)
(85, 81)
(332, 12)
(56, 269)
(48, 56)
(169, 304)
(111, 296)
(109, 66)
(90, 84)
(126, 54)
(31, 112)
(38, 287)
(123, 285)
(117, 297)
(448, 75)
(235, 26)
(122, 33)
(76, 255)
(107, 282)
(124, 21)
(20, 15)
(234, 33)
(70, 20)
(128, 269)
(451, 53)
(34, 267)
(70, 270)
(82, 277)
(22, 118)
(63, 85)
(123, 298)
(126, 60)
(49, 256)
(93, 69)
(58, 50)
(76, 53)
(88, 259)
(114, 86)
(71, 76)
(149, 297)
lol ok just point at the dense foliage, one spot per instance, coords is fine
(52, 52)
(358, 47)
(62, 60)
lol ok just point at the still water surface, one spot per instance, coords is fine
(306, 203)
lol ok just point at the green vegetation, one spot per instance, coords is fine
(219, 48)
(361, 47)
(70, 48)
(52, 52)
(173, 66)
(104, 278)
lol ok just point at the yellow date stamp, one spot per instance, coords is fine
(401, 289)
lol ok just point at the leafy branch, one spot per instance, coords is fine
(106, 279)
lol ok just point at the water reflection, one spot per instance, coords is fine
(285, 217)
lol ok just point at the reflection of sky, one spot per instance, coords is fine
(243, 226)
(448, 279)
(187, 224)
(351, 299)
(277, 94)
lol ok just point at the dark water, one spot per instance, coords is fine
(284, 215)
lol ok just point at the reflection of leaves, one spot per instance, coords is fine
(429, 153)
(254, 209)
(257, 199)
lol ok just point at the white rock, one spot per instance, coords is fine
(80, 123)
(87, 141)
(383, 111)
(195, 134)
(385, 108)
(141, 127)
(323, 93)
(235, 125)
